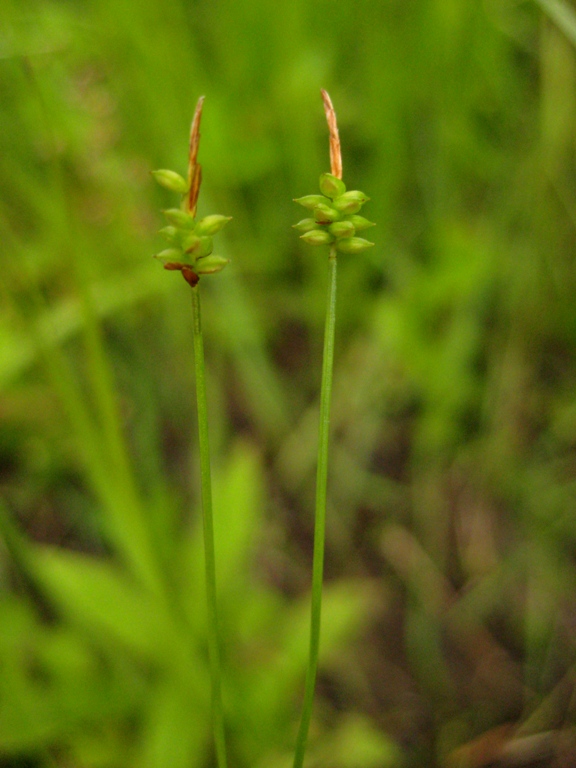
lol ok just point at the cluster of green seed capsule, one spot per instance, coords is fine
(190, 241)
(336, 220)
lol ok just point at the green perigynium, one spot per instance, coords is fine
(324, 214)
(336, 219)
(331, 186)
(207, 265)
(311, 201)
(318, 237)
(359, 222)
(210, 225)
(342, 229)
(353, 244)
(171, 180)
(170, 234)
(169, 256)
(179, 218)
(306, 225)
(350, 202)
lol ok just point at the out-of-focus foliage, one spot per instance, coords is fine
(448, 632)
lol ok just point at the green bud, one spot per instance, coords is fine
(317, 237)
(207, 265)
(179, 218)
(170, 254)
(210, 225)
(342, 229)
(171, 180)
(191, 243)
(311, 201)
(360, 222)
(198, 246)
(306, 225)
(324, 214)
(205, 247)
(171, 234)
(350, 202)
(353, 245)
(331, 186)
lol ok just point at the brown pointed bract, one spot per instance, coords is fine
(194, 168)
(335, 151)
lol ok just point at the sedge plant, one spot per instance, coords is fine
(334, 221)
(190, 252)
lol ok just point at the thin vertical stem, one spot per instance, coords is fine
(322, 469)
(208, 526)
(320, 515)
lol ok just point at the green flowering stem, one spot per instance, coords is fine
(335, 223)
(320, 514)
(208, 525)
(330, 184)
(190, 253)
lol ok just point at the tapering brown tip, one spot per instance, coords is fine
(194, 168)
(335, 150)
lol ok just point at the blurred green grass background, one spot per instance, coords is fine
(451, 556)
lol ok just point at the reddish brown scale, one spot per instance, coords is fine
(190, 276)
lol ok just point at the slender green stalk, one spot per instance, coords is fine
(190, 253)
(208, 525)
(320, 516)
